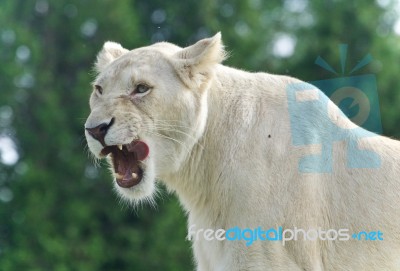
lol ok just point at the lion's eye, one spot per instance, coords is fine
(142, 88)
(99, 89)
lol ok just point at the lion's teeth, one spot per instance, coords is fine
(118, 176)
(120, 147)
(134, 175)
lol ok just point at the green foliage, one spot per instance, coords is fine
(57, 209)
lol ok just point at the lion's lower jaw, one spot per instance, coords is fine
(143, 191)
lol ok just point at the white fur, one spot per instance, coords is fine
(207, 126)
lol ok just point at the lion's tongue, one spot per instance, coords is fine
(128, 174)
(140, 149)
(127, 162)
(126, 165)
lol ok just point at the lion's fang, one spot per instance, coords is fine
(118, 176)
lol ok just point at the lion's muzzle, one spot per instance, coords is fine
(99, 132)
(125, 158)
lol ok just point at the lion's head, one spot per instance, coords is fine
(148, 109)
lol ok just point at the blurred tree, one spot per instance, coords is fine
(56, 208)
(63, 216)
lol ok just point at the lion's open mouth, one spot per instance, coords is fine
(125, 160)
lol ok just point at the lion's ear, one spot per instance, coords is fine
(195, 64)
(109, 52)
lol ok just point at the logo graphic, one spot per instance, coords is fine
(355, 100)
(315, 119)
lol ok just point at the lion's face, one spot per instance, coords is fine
(148, 109)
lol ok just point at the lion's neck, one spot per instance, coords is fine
(243, 109)
(203, 184)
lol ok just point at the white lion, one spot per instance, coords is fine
(223, 140)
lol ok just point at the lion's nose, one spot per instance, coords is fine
(100, 131)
